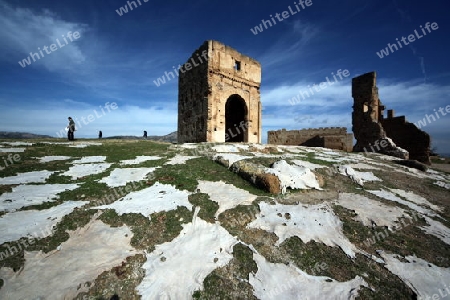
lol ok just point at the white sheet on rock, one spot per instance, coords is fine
(332, 153)
(382, 156)
(57, 143)
(28, 177)
(437, 229)
(189, 145)
(159, 197)
(424, 278)
(331, 158)
(90, 159)
(84, 145)
(430, 174)
(307, 164)
(226, 148)
(410, 196)
(82, 170)
(139, 159)
(226, 195)
(367, 158)
(364, 166)
(393, 197)
(122, 176)
(50, 158)
(180, 159)
(371, 212)
(356, 176)
(174, 270)
(436, 175)
(244, 147)
(443, 184)
(12, 150)
(279, 281)
(17, 144)
(34, 223)
(314, 222)
(292, 149)
(62, 274)
(434, 227)
(259, 154)
(293, 176)
(27, 195)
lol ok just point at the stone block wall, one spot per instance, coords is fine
(219, 100)
(193, 92)
(366, 110)
(407, 136)
(370, 126)
(328, 137)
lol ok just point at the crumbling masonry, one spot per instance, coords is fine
(331, 137)
(391, 135)
(219, 96)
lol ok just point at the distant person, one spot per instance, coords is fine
(70, 129)
(100, 134)
(145, 134)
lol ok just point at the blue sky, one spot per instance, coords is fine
(116, 59)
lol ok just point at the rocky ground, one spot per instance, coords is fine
(121, 219)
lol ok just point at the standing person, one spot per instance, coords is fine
(71, 129)
(145, 134)
(100, 134)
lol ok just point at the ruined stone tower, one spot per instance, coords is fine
(367, 108)
(219, 96)
(374, 133)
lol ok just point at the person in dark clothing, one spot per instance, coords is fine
(71, 129)
(100, 134)
(145, 134)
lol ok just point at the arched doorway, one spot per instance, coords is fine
(236, 119)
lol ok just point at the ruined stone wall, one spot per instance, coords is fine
(193, 91)
(227, 77)
(329, 137)
(407, 136)
(370, 126)
(339, 142)
(366, 109)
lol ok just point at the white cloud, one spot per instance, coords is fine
(336, 94)
(294, 41)
(413, 96)
(22, 31)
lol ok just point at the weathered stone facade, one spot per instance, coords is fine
(374, 133)
(332, 137)
(219, 96)
(366, 109)
(407, 136)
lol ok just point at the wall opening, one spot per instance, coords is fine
(366, 107)
(236, 120)
(237, 65)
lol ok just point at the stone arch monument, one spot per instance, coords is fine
(219, 96)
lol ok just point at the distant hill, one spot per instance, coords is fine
(169, 138)
(21, 135)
